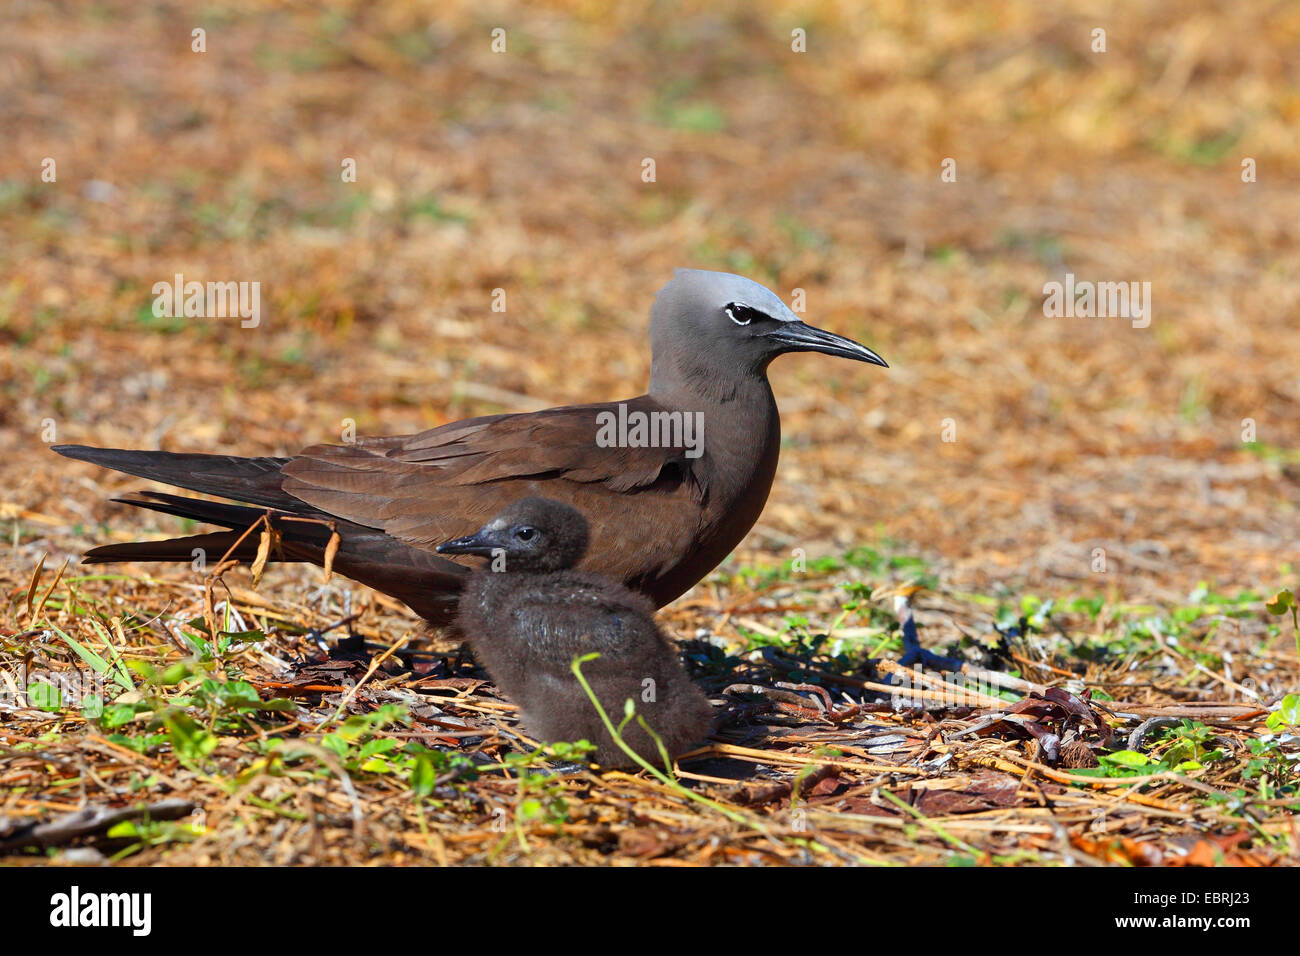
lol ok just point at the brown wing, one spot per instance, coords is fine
(427, 488)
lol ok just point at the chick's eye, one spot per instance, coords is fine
(742, 314)
(526, 534)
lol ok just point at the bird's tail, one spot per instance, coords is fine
(427, 583)
(255, 481)
(299, 540)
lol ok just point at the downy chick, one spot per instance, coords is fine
(527, 614)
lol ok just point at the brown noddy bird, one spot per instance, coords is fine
(528, 615)
(664, 507)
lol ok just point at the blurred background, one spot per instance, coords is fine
(818, 170)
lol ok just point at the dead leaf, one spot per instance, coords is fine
(1119, 849)
(331, 549)
(986, 791)
(263, 555)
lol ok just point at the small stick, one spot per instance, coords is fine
(982, 700)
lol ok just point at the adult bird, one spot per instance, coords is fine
(664, 506)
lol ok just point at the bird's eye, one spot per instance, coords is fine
(742, 314)
(526, 533)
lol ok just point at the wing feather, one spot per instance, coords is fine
(413, 487)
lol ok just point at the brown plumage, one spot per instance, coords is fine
(527, 615)
(660, 517)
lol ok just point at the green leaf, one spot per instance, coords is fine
(123, 830)
(1286, 715)
(1125, 758)
(97, 663)
(336, 744)
(45, 696)
(144, 669)
(381, 745)
(93, 660)
(120, 674)
(233, 695)
(1281, 602)
(118, 715)
(139, 744)
(190, 742)
(423, 776)
(573, 751)
(197, 644)
(174, 674)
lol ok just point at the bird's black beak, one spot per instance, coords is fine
(482, 543)
(800, 337)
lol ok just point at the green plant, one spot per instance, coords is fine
(147, 833)
(1187, 747)
(1287, 715)
(1275, 770)
(1281, 602)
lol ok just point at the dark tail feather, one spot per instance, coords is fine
(428, 583)
(212, 546)
(212, 512)
(299, 540)
(253, 480)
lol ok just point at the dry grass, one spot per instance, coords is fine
(820, 171)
